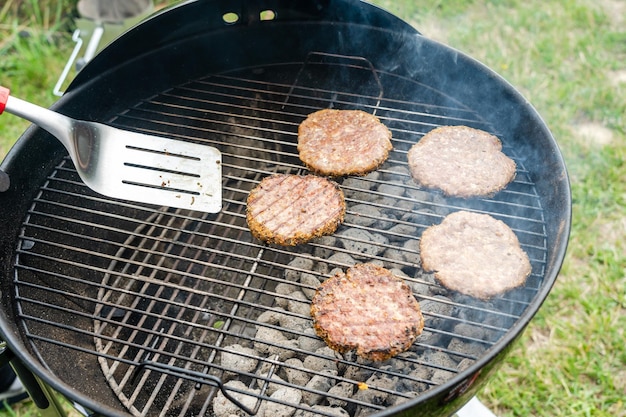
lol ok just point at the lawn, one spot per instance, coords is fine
(568, 58)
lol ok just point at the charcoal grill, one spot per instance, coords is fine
(159, 311)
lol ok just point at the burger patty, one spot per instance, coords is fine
(367, 309)
(461, 162)
(291, 209)
(343, 142)
(474, 254)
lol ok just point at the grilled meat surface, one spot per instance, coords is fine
(289, 210)
(461, 161)
(474, 254)
(343, 142)
(367, 309)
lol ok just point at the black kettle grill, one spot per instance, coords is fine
(129, 309)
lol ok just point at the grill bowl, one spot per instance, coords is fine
(134, 294)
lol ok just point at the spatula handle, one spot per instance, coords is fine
(4, 96)
(58, 125)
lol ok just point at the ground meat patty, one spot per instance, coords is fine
(369, 310)
(343, 142)
(461, 161)
(474, 254)
(291, 209)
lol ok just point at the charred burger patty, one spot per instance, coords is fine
(291, 209)
(343, 142)
(367, 309)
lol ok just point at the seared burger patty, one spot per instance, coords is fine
(343, 142)
(474, 254)
(461, 161)
(290, 209)
(367, 309)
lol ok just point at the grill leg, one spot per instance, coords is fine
(41, 395)
(474, 408)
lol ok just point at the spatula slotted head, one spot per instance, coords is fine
(159, 171)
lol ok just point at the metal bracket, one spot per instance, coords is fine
(79, 44)
(201, 378)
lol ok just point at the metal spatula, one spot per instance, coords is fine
(132, 166)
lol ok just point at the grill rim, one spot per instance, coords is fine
(13, 160)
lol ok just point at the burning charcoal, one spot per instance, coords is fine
(364, 215)
(287, 321)
(299, 304)
(309, 280)
(342, 390)
(465, 363)
(428, 278)
(421, 374)
(418, 288)
(285, 394)
(361, 183)
(419, 195)
(432, 307)
(399, 399)
(401, 232)
(469, 314)
(237, 358)
(336, 271)
(321, 268)
(445, 361)
(309, 341)
(411, 257)
(435, 288)
(275, 382)
(342, 260)
(392, 188)
(294, 374)
(439, 358)
(298, 264)
(324, 252)
(373, 394)
(412, 245)
(357, 373)
(441, 375)
(385, 222)
(430, 338)
(284, 347)
(394, 254)
(403, 204)
(468, 348)
(363, 242)
(399, 172)
(440, 205)
(293, 325)
(469, 330)
(318, 364)
(283, 289)
(270, 316)
(358, 188)
(320, 382)
(326, 410)
(222, 405)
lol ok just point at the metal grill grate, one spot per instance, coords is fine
(169, 308)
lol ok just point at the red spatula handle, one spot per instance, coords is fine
(4, 96)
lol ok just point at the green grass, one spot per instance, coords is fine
(565, 57)
(568, 58)
(34, 44)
